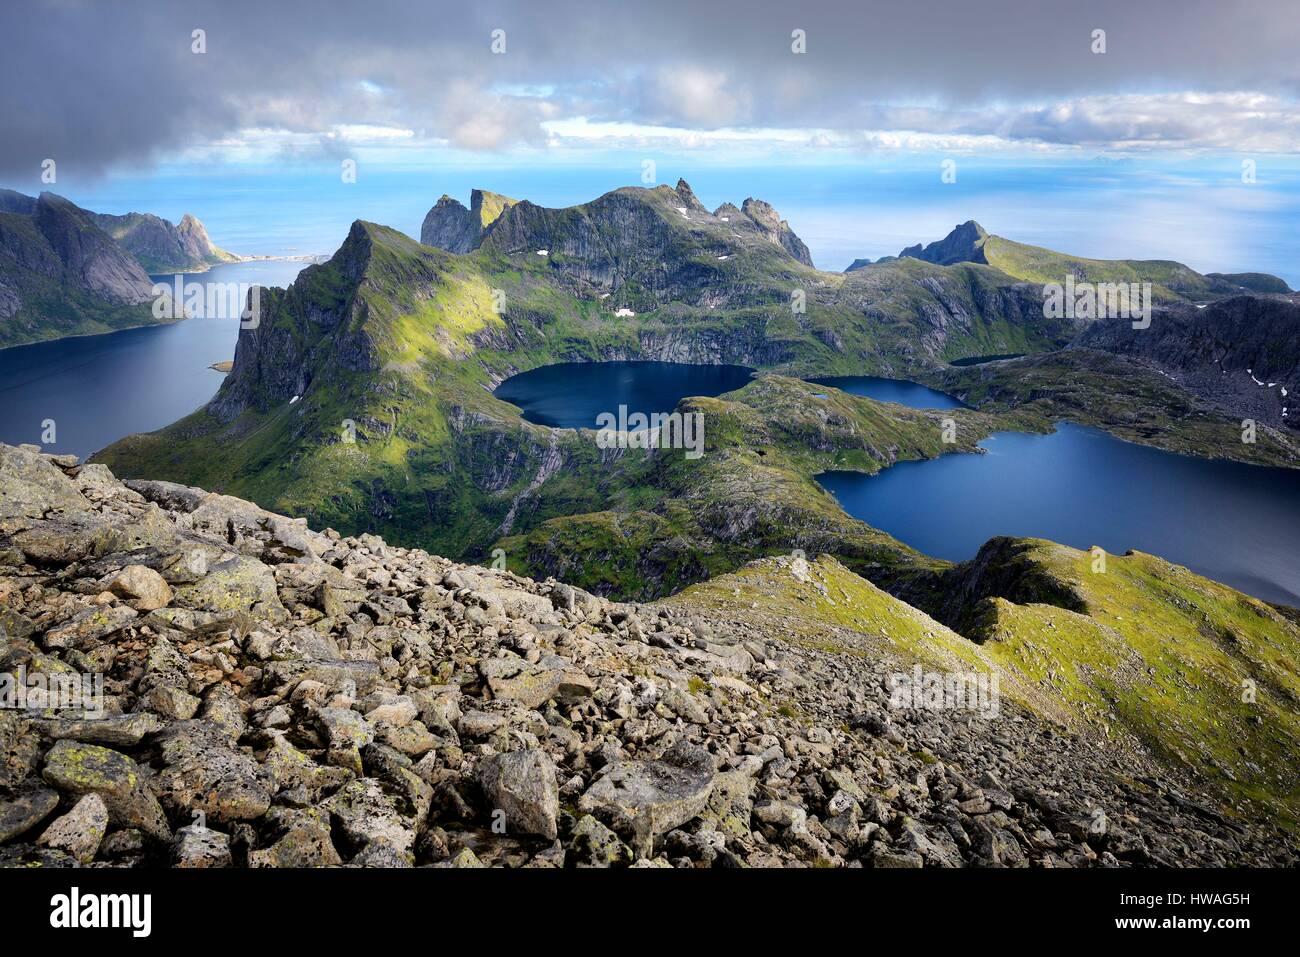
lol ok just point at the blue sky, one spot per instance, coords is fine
(1107, 129)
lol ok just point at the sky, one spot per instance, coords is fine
(842, 114)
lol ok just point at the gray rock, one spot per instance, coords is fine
(365, 815)
(532, 685)
(594, 845)
(522, 786)
(143, 587)
(24, 810)
(304, 841)
(116, 730)
(647, 798)
(203, 772)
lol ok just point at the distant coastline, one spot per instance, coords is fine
(313, 258)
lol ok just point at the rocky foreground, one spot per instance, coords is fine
(275, 696)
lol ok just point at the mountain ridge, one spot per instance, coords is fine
(60, 274)
(1171, 281)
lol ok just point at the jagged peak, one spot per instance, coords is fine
(488, 206)
(687, 196)
(965, 243)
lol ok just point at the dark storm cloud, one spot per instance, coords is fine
(95, 84)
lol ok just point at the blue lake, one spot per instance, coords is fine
(98, 389)
(570, 395)
(1238, 524)
(891, 390)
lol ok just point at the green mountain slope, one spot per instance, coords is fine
(1171, 281)
(1144, 656)
(406, 341)
(363, 400)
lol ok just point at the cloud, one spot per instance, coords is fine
(696, 97)
(96, 86)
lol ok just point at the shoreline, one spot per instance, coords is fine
(165, 322)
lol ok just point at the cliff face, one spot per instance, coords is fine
(60, 274)
(450, 226)
(162, 246)
(769, 222)
(1242, 354)
(965, 244)
(316, 327)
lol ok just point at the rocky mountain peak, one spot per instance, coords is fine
(687, 196)
(486, 206)
(770, 223)
(450, 226)
(964, 244)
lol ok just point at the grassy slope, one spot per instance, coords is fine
(753, 492)
(1157, 659)
(1170, 280)
(1166, 655)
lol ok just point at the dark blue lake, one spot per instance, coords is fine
(570, 395)
(891, 390)
(98, 389)
(1238, 524)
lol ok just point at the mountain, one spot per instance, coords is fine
(161, 246)
(450, 226)
(61, 274)
(1242, 354)
(406, 341)
(1171, 281)
(965, 244)
(320, 699)
(1197, 372)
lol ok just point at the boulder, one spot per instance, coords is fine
(522, 786)
(80, 769)
(198, 846)
(80, 831)
(647, 798)
(203, 772)
(142, 587)
(24, 810)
